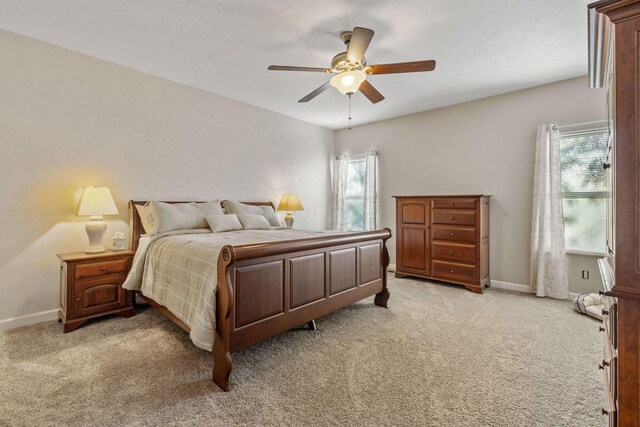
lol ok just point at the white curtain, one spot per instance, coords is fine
(340, 175)
(371, 191)
(549, 268)
(340, 170)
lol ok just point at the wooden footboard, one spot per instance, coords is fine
(266, 289)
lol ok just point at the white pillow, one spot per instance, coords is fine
(270, 214)
(143, 212)
(164, 217)
(241, 208)
(264, 210)
(219, 223)
(254, 222)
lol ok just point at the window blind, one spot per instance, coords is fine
(584, 189)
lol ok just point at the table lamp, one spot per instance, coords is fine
(95, 202)
(289, 203)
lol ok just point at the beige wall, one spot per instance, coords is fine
(485, 146)
(69, 120)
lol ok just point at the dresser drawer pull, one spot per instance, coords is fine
(452, 234)
(452, 204)
(451, 271)
(451, 252)
(605, 412)
(605, 312)
(452, 218)
(604, 363)
(600, 292)
(103, 268)
(601, 329)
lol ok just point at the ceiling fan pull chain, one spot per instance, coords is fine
(350, 111)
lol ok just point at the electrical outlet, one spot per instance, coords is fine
(585, 274)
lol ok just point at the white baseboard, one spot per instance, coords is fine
(391, 268)
(522, 288)
(29, 319)
(498, 284)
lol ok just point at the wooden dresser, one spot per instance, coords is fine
(444, 238)
(614, 55)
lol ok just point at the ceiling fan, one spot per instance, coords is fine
(351, 69)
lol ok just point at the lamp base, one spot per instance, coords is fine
(288, 219)
(95, 229)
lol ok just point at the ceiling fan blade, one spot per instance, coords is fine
(360, 39)
(371, 92)
(315, 93)
(402, 67)
(288, 68)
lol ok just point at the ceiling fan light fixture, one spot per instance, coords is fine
(348, 82)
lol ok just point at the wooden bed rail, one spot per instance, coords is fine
(259, 250)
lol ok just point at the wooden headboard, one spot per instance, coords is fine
(135, 224)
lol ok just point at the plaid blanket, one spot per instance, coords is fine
(179, 271)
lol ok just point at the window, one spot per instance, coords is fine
(354, 196)
(584, 189)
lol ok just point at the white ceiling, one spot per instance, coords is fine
(482, 47)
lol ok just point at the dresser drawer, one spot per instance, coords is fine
(454, 204)
(464, 254)
(456, 272)
(101, 268)
(453, 217)
(610, 321)
(452, 234)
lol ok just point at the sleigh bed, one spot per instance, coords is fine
(264, 289)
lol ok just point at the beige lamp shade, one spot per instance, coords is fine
(290, 202)
(97, 201)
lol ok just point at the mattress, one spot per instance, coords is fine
(179, 271)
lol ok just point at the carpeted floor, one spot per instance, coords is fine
(440, 356)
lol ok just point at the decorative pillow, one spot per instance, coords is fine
(241, 208)
(143, 212)
(164, 217)
(254, 222)
(220, 223)
(270, 214)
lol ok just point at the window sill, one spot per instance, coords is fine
(585, 253)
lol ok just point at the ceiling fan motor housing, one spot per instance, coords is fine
(340, 64)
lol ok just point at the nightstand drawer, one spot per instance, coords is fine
(99, 295)
(101, 268)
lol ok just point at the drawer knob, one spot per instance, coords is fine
(601, 329)
(77, 298)
(103, 268)
(450, 271)
(451, 252)
(605, 312)
(604, 363)
(600, 292)
(452, 234)
(605, 412)
(453, 217)
(452, 204)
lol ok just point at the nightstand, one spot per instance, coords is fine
(91, 286)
